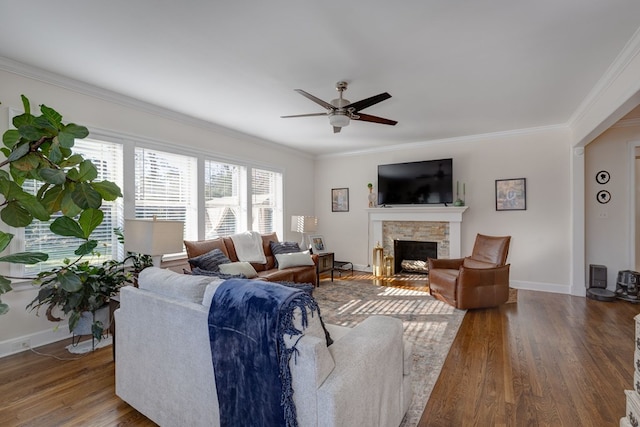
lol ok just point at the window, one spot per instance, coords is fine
(107, 157)
(224, 195)
(266, 200)
(166, 187)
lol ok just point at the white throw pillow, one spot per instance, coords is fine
(241, 267)
(294, 259)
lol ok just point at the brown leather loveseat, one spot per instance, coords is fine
(268, 271)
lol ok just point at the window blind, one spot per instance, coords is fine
(166, 187)
(107, 157)
(224, 204)
(266, 199)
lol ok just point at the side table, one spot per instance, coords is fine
(325, 263)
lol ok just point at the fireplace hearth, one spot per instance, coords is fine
(410, 256)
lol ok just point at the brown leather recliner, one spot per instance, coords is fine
(478, 281)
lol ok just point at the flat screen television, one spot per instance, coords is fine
(416, 183)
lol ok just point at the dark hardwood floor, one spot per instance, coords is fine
(548, 360)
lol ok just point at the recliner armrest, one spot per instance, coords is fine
(482, 287)
(449, 264)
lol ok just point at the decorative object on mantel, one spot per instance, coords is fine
(459, 201)
(371, 196)
(511, 194)
(377, 262)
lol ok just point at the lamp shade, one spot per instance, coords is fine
(304, 224)
(153, 237)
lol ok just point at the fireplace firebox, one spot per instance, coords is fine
(411, 255)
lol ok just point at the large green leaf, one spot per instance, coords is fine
(69, 281)
(76, 130)
(11, 137)
(25, 258)
(53, 176)
(26, 105)
(31, 132)
(89, 220)
(73, 160)
(51, 115)
(66, 139)
(69, 207)
(65, 226)
(86, 248)
(55, 154)
(15, 215)
(52, 199)
(5, 285)
(43, 123)
(19, 151)
(4, 308)
(108, 190)
(86, 197)
(23, 120)
(26, 163)
(88, 171)
(5, 239)
(35, 208)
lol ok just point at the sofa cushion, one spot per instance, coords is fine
(283, 248)
(209, 261)
(199, 247)
(175, 285)
(294, 259)
(241, 267)
(217, 274)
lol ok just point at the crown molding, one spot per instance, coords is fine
(48, 77)
(630, 51)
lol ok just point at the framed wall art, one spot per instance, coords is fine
(511, 194)
(340, 200)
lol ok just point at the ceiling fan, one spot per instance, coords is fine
(341, 111)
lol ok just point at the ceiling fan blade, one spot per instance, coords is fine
(318, 101)
(304, 115)
(362, 104)
(374, 119)
(336, 129)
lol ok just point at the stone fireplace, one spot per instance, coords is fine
(439, 224)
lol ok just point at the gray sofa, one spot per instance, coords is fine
(164, 368)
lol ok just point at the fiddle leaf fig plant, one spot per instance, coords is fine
(40, 148)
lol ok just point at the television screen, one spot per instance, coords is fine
(416, 183)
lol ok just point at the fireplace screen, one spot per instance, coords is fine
(411, 256)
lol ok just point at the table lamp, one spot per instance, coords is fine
(304, 224)
(153, 237)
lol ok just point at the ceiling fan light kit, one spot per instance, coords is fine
(341, 111)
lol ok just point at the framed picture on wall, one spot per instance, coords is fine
(511, 194)
(317, 244)
(340, 200)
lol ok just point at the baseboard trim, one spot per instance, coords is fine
(542, 287)
(37, 339)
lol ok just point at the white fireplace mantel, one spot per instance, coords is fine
(452, 215)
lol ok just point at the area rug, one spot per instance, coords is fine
(430, 324)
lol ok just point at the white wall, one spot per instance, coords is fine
(608, 235)
(106, 111)
(540, 252)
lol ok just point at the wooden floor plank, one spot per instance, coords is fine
(547, 360)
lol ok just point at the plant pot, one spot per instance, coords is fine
(83, 327)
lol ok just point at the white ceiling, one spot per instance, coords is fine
(453, 67)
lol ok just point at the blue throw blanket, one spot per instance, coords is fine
(248, 321)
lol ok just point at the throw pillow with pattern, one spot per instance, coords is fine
(210, 261)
